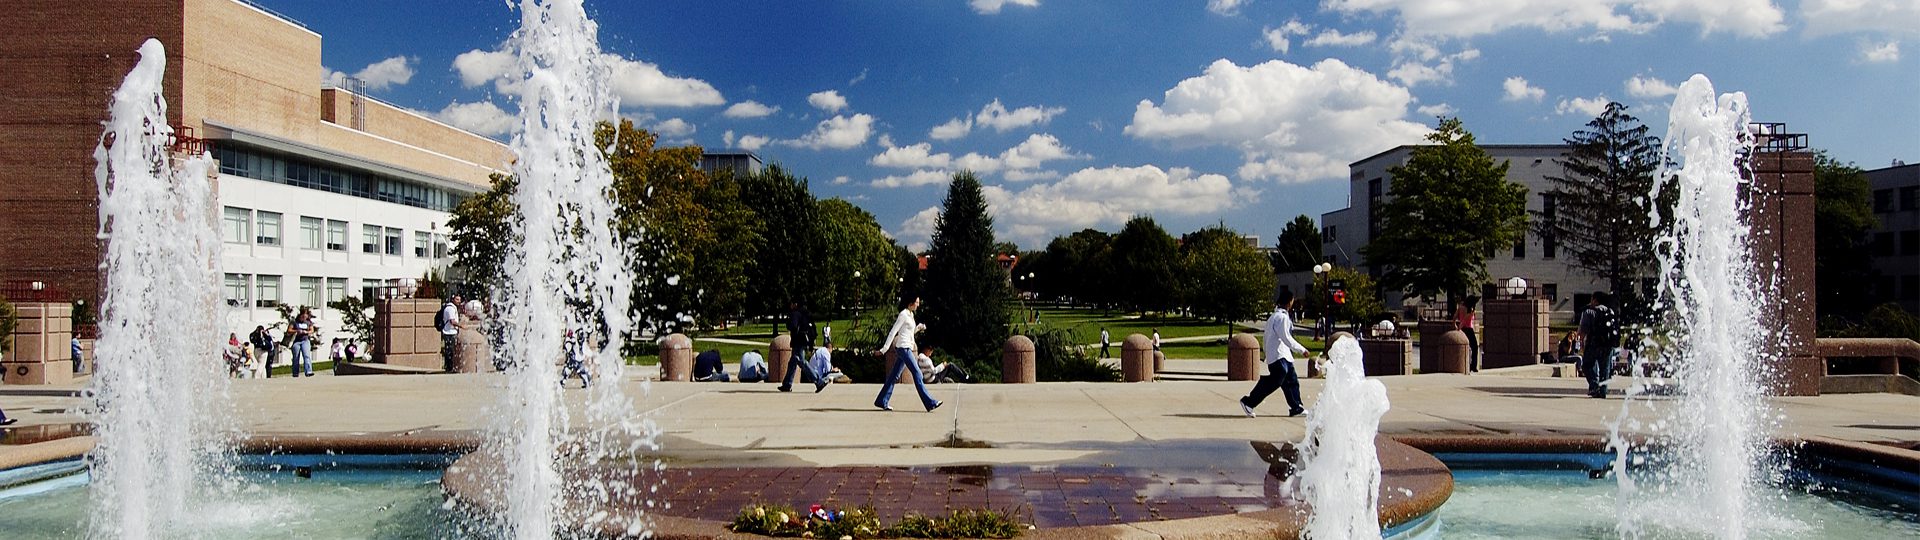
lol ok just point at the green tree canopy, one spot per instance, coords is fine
(1596, 211)
(692, 237)
(1363, 297)
(1223, 278)
(481, 227)
(1075, 267)
(1843, 258)
(791, 264)
(1451, 205)
(1298, 247)
(1143, 261)
(966, 290)
(861, 263)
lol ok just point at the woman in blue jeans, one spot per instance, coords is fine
(900, 338)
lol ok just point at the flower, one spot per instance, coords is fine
(759, 512)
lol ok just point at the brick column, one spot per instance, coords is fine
(1782, 222)
(40, 352)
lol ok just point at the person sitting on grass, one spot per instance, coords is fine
(942, 372)
(707, 367)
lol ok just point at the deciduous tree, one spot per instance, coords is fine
(1143, 261)
(1222, 278)
(1451, 206)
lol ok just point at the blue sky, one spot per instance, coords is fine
(1082, 113)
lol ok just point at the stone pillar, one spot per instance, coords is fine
(403, 333)
(1514, 331)
(906, 376)
(1159, 361)
(1243, 357)
(476, 353)
(1387, 356)
(1136, 359)
(1017, 361)
(1446, 353)
(778, 352)
(676, 358)
(41, 351)
(1783, 250)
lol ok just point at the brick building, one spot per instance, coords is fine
(324, 192)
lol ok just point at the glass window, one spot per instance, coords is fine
(1551, 291)
(336, 235)
(336, 289)
(310, 288)
(422, 243)
(311, 233)
(393, 241)
(1883, 244)
(370, 289)
(369, 238)
(1882, 201)
(236, 290)
(1910, 242)
(439, 246)
(1520, 247)
(267, 229)
(236, 225)
(267, 291)
(1909, 198)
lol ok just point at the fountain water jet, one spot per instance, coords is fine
(569, 273)
(1339, 464)
(156, 393)
(1706, 445)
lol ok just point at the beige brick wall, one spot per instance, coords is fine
(250, 70)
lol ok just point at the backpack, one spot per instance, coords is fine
(440, 318)
(1608, 327)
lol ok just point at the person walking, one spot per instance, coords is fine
(1602, 334)
(447, 321)
(263, 349)
(1156, 340)
(800, 327)
(826, 336)
(1106, 340)
(303, 343)
(1279, 348)
(576, 359)
(74, 344)
(900, 338)
(4, 421)
(1463, 316)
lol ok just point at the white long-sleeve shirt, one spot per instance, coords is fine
(901, 336)
(1280, 332)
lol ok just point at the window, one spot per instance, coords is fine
(236, 290)
(1373, 189)
(312, 235)
(236, 225)
(267, 229)
(310, 288)
(266, 291)
(393, 241)
(370, 290)
(1549, 210)
(1520, 247)
(240, 160)
(1910, 242)
(439, 246)
(1882, 201)
(1328, 234)
(1883, 244)
(422, 244)
(336, 235)
(1909, 198)
(336, 289)
(1551, 291)
(369, 238)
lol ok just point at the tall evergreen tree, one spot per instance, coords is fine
(1144, 258)
(966, 295)
(1298, 247)
(1451, 206)
(1596, 211)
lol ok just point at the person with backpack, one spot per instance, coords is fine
(1601, 329)
(800, 327)
(447, 321)
(263, 349)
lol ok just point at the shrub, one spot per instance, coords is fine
(1058, 356)
(9, 319)
(861, 523)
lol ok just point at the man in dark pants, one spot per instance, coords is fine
(800, 327)
(1280, 348)
(1601, 333)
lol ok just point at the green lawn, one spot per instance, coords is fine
(1217, 348)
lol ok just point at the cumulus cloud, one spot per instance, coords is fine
(838, 133)
(1225, 7)
(1592, 106)
(749, 109)
(482, 117)
(1093, 197)
(1647, 87)
(1019, 163)
(1468, 18)
(673, 128)
(1825, 17)
(841, 180)
(1879, 52)
(1280, 38)
(996, 116)
(1420, 63)
(923, 177)
(989, 7)
(911, 157)
(827, 100)
(1334, 38)
(1291, 123)
(385, 73)
(1517, 89)
(753, 142)
(1436, 110)
(952, 129)
(635, 82)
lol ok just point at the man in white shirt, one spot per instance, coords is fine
(1280, 348)
(1106, 340)
(900, 338)
(449, 327)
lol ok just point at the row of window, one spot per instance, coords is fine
(1908, 199)
(1906, 242)
(244, 226)
(294, 171)
(263, 290)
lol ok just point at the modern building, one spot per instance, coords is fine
(740, 162)
(324, 192)
(1896, 240)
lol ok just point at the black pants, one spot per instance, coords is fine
(1598, 362)
(795, 364)
(449, 350)
(1473, 350)
(1280, 376)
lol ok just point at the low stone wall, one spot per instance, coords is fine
(41, 352)
(403, 333)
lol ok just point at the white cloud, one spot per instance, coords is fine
(1280, 38)
(636, 83)
(837, 133)
(917, 156)
(997, 116)
(923, 177)
(827, 100)
(990, 7)
(673, 128)
(1517, 89)
(1880, 52)
(841, 180)
(1225, 7)
(1412, 67)
(749, 109)
(1592, 106)
(753, 142)
(1334, 38)
(1647, 87)
(1093, 197)
(386, 73)
(482, 117)
(1843, 16)
(1019, 163)
(917, 231)
(1436, 110)
(1468, 18)
(1291, 123)
(952, 129)
(857, 78)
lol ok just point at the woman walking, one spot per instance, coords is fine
(900, 338)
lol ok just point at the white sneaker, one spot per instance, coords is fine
(1249, 410)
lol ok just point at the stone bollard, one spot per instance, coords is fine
(1017, 361)
(1136, 359)
(676, 358)
(778, 353)
(1243, 357)
(476, 354)
(1445, 354)
(1159, 362)
(1387, 356)
(893, 357)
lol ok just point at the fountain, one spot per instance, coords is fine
(154, 396)
(1705, 450)
(568, 276)
(1339, 464)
